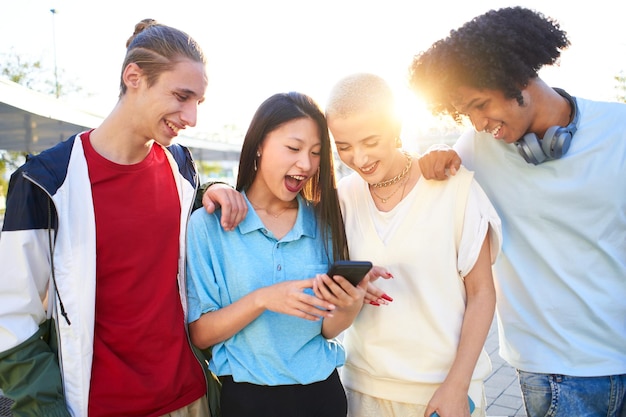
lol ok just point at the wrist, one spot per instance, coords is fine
(211, 183)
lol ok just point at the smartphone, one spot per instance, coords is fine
(353, 271)
(472, 406)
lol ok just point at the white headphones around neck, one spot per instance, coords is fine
(555, 142)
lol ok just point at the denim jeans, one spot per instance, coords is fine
(549, 395)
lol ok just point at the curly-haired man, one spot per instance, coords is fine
(555, 174)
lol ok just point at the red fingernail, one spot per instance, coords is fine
(389, 275)
(386, 297)
(374, 303)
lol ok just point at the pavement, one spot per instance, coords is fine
(504, 397)
(5, 406)
(501, 387)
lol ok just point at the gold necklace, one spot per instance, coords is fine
(270, 213)
(385, 199)
(407, 167)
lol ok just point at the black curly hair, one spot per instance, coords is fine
(500, 50)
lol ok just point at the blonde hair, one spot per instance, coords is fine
(360, 92)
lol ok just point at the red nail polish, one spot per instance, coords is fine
(374, 303)
(386, 297)
(389, 275)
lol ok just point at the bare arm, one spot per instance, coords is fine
(286, 298)
(451, 397)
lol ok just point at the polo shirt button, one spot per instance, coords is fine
(279, 267)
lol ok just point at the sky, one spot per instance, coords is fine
(256, 48)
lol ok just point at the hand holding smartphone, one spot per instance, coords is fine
(353, 271)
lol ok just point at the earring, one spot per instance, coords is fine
(398, 142)
(258, 155)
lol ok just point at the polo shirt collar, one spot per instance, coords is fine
(306, 223)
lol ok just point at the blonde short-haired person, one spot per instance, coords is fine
(423, 353)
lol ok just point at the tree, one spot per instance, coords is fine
(19, 70)
(9, 162)
(621, 86)
(34, 75)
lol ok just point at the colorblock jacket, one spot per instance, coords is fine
(50, 210)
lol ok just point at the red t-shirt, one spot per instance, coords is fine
(142, 362)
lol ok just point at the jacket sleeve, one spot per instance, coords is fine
(30, 376)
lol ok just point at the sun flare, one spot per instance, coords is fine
(420, 128)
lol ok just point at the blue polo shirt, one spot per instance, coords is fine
(222, 267)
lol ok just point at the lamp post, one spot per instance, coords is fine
(54, 50)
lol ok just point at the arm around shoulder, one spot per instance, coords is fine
(218, 194)
(438, 162)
